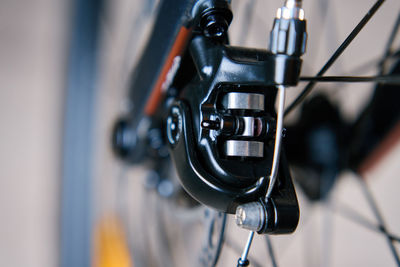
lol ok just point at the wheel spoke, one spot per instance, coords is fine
(237, 249)
(247, 22)
(353, 215)
(307, 89)
(354, 79)
(327, 235)
(271, 251)
(388, 49)
(243, 259)
(372, 203)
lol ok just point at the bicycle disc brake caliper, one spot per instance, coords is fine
(221, 128)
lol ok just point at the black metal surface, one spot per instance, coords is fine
(282, 209)
(210, 177)
(203, 96)
(200, 184)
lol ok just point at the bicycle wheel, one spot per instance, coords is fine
(325, 232)
(159, 244)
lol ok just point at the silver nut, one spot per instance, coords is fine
(250, 216)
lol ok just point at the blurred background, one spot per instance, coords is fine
(65, 200)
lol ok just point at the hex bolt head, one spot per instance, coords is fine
(215, 17)
(215, 25)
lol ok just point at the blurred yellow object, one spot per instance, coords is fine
(110, 246)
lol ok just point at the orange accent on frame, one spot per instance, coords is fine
(176, 50)
(110, 245)
(381, 150)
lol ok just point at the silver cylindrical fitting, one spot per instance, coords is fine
(251, 216)
(248, 101)
(243, 148)
(291, 10)
(293, 3)
(288, 35)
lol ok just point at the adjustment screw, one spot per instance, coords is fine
(250, 216)
(210, 124)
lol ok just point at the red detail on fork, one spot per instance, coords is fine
(392, 138)
(177, 49)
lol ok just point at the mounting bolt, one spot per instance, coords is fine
(251, 216)
(214, 17)
(174, 125)
(214, 24)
